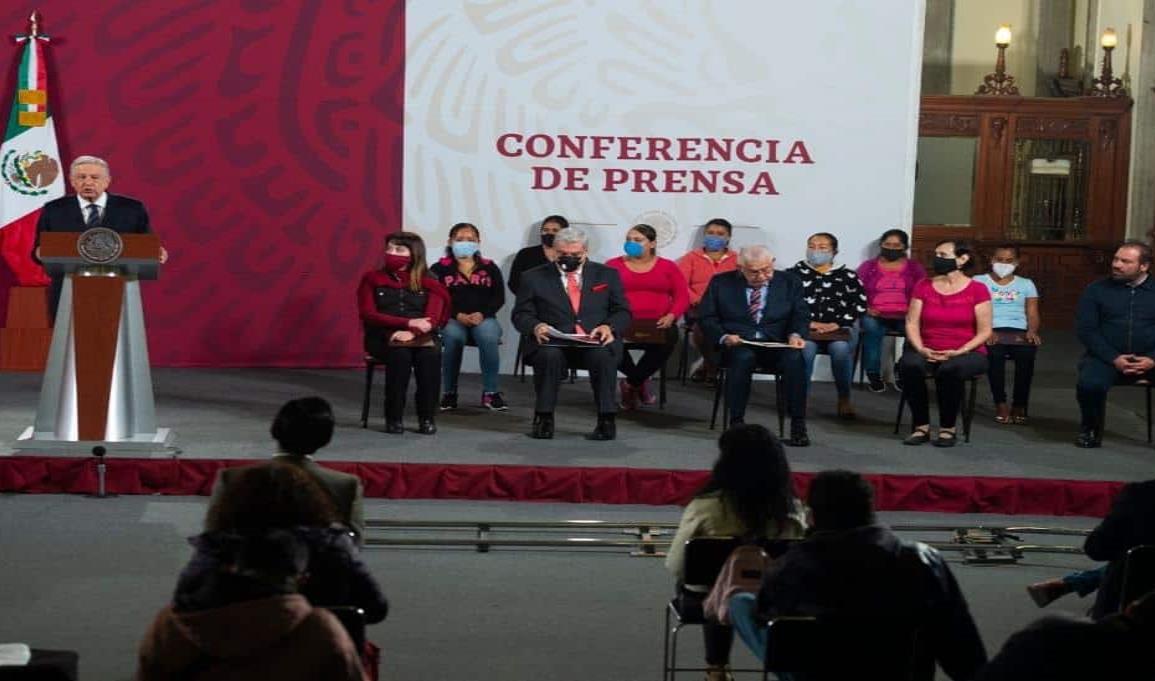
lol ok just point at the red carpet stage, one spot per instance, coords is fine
(945, 494)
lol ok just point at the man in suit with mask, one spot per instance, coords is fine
(91, 206)
(572, 295)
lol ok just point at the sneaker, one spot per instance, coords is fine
(493, 401)
(876, 384)
(629, 395)
(448, 401)
(646, 392)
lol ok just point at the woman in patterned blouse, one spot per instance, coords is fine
(837, 301)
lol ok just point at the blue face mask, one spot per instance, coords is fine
(634, 249)
(465, 249)
(819, 258)
(714, 244)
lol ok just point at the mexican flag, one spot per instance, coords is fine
(30, 168)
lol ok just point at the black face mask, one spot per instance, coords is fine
(944, 265)
(569, 263)
(892, 254)
(547, 240)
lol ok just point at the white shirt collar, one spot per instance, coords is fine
(101, 201)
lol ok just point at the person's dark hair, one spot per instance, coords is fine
(826, 235)
(961, 247)
(895, 232)
(303, 425)
(558, 220)
(649, 232)
(723, 223)
(416, 246)
(1142, 246)
(840, 500)
(1013, 248)
(271, 556)
(460, 227)
(271, 495)
(752, 476)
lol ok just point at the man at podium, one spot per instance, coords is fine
(92, 206)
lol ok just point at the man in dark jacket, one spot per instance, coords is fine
(901, 601)
(758, 304)
(1116, 323)
(1129, 523)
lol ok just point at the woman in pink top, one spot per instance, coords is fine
(888, 280)
(699, 266)
(947, 327)
(656, 292)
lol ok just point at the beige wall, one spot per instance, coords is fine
(973, 51)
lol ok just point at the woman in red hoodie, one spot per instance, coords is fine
(402, 307)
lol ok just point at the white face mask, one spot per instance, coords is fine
(1003, 270)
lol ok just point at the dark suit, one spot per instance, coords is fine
(541, 298)
(122, 214)
(1129, 523)
(724, 311)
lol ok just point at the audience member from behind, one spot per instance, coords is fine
(1015, 310)
(852, 568)
(1115, 322)
(537, 254)
(947, 327)
(699, 266)
(248, 621)
(1064, 648)
(302, 427)
(889, 281)
(749, 494)
(280, 496)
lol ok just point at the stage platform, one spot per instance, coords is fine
(221, 416)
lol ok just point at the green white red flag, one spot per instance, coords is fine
(30, 168)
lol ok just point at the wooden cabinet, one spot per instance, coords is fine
(1049, 175)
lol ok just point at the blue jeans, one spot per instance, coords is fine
(1085, 582)
(487, 336)
(841, 361)
(873, 331)
(744, 619)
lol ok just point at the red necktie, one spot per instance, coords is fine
(574, 291)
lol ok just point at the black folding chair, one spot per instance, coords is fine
(1138, 574)
(371, 364)
(720, 398)
(1141, 383)
(967, 407)
(643, 337)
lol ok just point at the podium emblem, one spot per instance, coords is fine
(100, 245)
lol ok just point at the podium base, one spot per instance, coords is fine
(163, 443)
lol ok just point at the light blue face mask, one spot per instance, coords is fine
(465, 249)
(713, 243)
(819, 258)
(634, 249)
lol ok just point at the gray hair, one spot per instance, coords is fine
(750, 254)
(90, 160)
(572, 235)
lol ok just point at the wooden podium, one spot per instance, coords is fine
(97, 386)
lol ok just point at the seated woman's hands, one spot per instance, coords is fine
(402, 336)
(421, 325)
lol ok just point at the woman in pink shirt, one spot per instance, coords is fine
(889, 281)
(699, 266)
(947, 327)
(656, 292)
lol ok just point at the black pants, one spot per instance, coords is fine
(551, 363)
(424, 363)
(950, 378)
(1096, 377)
(653, 359)
(741, 361)
(719, 639)
(1024, 358)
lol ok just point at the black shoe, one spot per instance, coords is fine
(493, 402)
(917, 437)
(542, 427)
(1089, 438)
(606, 429)
(946, 438)
(427, 427)
(394, 427)
(448, 401)
(798, 435)
(876, 384)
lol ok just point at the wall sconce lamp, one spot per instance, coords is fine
(1106, 85)
(999, 83)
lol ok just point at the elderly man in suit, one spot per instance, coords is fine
(572, 295)
(91, 206)
(302, 427)
(758, 304)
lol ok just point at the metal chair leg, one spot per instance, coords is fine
(1148, 414)
(369, 368)
(717, 398)
(662, 386)
(779, 393)
(901, 406)
(968, 415)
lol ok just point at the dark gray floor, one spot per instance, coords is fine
(225, 413)
(89, 574)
